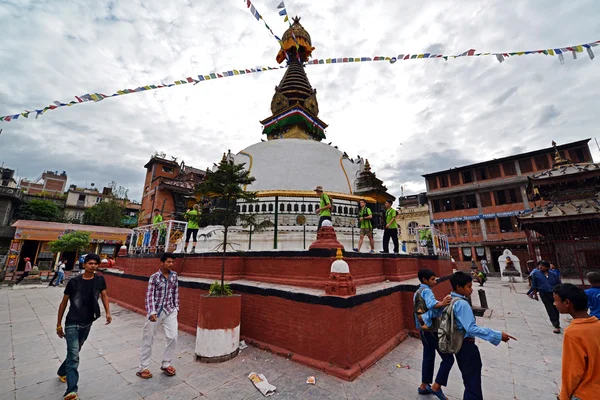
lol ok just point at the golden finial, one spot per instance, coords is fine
(558, 160)
(367, 166)
(224, 159)
(338, 254)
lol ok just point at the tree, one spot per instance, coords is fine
(118, 191)
(106, 213)
(40, 210)
(226, 185)
(72, 241)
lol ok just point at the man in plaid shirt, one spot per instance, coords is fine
(162, 305)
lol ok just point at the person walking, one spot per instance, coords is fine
(162, 307)
(26, 271)
(366, 227)
(543, 282)
(81, 293)
(391, 228)
(324, 210)
(193, 219)
(60, 272)
(484, 267)
(593, 293)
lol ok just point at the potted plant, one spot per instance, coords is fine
(219, 312)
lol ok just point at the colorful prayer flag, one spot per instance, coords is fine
(283, 12)
(281, 5)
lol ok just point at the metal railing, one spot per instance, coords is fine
(431, 241)
(158, 238)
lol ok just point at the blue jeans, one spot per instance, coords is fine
(75, 335)
(61, 276)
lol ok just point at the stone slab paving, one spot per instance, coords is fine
(30, 353)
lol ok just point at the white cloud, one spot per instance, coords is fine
(445, 114)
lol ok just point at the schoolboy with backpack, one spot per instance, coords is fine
(457, 332)
(426, 311)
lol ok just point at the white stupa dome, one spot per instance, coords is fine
(298, 165)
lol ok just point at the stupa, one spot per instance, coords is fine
(295, 159)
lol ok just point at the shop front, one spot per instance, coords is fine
(32, 239)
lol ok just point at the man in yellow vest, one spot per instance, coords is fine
(324, 210)
(391, 228)
(366, 227)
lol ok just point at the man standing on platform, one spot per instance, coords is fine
(26, 271)
(162, 306)
(391, 228)
(543, 282)
(324, 210)
(366, 227)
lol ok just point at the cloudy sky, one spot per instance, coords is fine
(407, 118)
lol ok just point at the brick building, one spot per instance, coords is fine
(49, 182)
(169, 186)
(476, 205)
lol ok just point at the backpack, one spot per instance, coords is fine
(450, 339)
(420, 307)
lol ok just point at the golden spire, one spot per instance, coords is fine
(338, 254)
(558, 160)
(367, 166)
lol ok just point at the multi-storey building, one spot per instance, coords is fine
(48, 183)
(413, 212)
(10, 199)
(80, 199)
(476, 205)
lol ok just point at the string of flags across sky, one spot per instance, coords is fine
(97, 97)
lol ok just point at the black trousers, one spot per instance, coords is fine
(387, 234)
(323, 218)
(548, 300)
(430, 346)
(469, 363)
(22, 277)
(189, 233)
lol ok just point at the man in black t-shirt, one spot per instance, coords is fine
(82, 292)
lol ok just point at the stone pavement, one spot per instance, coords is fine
(527, 369)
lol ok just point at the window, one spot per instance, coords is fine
(500, 197)
(451, 230)
(303, 208)
(467, 254)
(462, 229)
(454, 179)
(310, 208)
(459, 202)
(509, 168)
(437, 205)
(579, 155)
(432, 183)
(270, 207)
(467, 176)
(475, 228)
(525, 165)
(412, 228)
(494, 171)
(289, 208)
(98, 200)
(250, 208)
(443, 181)
(296, 208)
(238, 209)
(541, 162)
(346, 210)
(491, 226)
(514, 196)
(481, 174)
(281, 207)
(244, 208)
(486, 199)
(167, 170)
(506, 224)
(471, 201)
(82, 197)
(263, 208)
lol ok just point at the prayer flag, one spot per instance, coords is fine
(283, 12)
(236, 72)
(25, 114)
(281, 5)
(219, 75)
(551, 52)
(249, 3)
(213, 76)
(285, 19)
(190, 80)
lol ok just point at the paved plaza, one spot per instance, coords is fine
(31, 352)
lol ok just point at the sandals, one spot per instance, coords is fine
(62, 378)
(424, 391)
(170, 371)
(71, 396)
(145, 374)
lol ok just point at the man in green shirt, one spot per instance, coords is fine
(158, 218)
(324, 210)
(193, 219)
(391, 228)
(366, 227)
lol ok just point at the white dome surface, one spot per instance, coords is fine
(298, 164)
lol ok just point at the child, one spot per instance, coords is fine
(581, 345)
(593, 293)
(426, 310)
(468, 357)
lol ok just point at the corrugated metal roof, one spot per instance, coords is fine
(30, 224)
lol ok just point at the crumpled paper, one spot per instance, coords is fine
(262, 384)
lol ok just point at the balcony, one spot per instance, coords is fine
(10, 192)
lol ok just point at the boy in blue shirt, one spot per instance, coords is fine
(543, 281)
(468, 358)
(593, 293)
(425, 320)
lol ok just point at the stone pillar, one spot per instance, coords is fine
(340, 281)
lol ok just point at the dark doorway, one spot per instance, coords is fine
(29, 249)
(71, 256)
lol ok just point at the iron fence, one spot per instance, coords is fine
(158, 238)
(431, 241)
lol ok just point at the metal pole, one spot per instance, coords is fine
(276, 222)
(169, 227)
(353, 237)
(304, 237)
(250, 239)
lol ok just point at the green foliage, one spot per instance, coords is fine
(217, 290)
(106, 213)
(72, 241)
(40, 210)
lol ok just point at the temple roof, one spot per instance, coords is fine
(571, 208)
(294, 85)
(566, 169)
